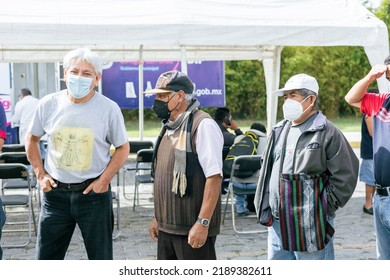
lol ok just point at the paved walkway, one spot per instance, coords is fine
(354, 237)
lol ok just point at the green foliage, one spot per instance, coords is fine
(245, 89)
(132, 114)
(383, 12)
(336, 69)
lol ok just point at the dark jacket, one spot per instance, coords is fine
(228, 138)
(334, 156)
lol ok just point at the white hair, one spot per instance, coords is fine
(84, 54)
(188, 97)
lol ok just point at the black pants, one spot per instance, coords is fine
(176, 247)
(61, 210)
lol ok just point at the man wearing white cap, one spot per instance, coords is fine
(309, 171)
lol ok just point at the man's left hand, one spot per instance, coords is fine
(98, 186)
(198, 235)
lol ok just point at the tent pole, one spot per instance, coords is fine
(140, 93)
(183, 60)
(272, 78)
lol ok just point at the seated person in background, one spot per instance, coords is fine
(253, 143)
(224, 120)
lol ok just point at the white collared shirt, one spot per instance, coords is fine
(209, 144)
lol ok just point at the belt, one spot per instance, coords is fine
(75, 187)
(383, 191)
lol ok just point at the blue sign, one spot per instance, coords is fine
(120, 81)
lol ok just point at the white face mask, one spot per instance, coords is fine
(293, 109)
(78, 86)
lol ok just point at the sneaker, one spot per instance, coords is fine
(369, 211)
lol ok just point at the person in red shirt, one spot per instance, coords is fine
(377, 106)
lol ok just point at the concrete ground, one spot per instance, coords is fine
(354, 237)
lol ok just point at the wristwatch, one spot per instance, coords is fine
(203, 222)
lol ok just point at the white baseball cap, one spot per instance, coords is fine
(299, 81)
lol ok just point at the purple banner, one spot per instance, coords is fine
(120, 81)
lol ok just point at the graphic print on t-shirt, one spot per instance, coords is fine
(73, 148)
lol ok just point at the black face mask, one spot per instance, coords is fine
(160, 108)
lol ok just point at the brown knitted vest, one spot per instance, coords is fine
(177, 215)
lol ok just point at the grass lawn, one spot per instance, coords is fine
(348, 124)
(152, 127)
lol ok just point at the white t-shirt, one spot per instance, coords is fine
(79, 136)
(24, 112)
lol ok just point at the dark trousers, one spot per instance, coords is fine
(176, 247)
(61, 210)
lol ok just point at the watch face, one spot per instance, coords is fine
(204, 222)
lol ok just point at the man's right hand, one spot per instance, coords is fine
(233, 125)
(153, 229)
(47, 183)
(376, 72)
(356, 93)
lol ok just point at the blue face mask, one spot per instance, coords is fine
(78, 86)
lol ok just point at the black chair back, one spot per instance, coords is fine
(13, 148)
(14, 157)
(13, 171)
(135, 146)
(245, 166)
(144, 155)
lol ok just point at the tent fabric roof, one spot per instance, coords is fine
(155, 30)
(44, 30)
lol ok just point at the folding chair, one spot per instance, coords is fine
(11, 148)
(23, 198)
(116, 198)
(144, 156)
(135, 146)
(16, 155)
(242, 165)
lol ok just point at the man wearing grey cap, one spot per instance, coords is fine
(187, 171)
(309, 171)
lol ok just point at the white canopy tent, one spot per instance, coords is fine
(155, 30)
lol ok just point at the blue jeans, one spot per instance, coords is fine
(241, 203)
(276, 251)
(2, 222)
(61, 210)
(382, 226)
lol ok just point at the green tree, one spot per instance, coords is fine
(383, 12)
(245, 89)
(336, 69)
